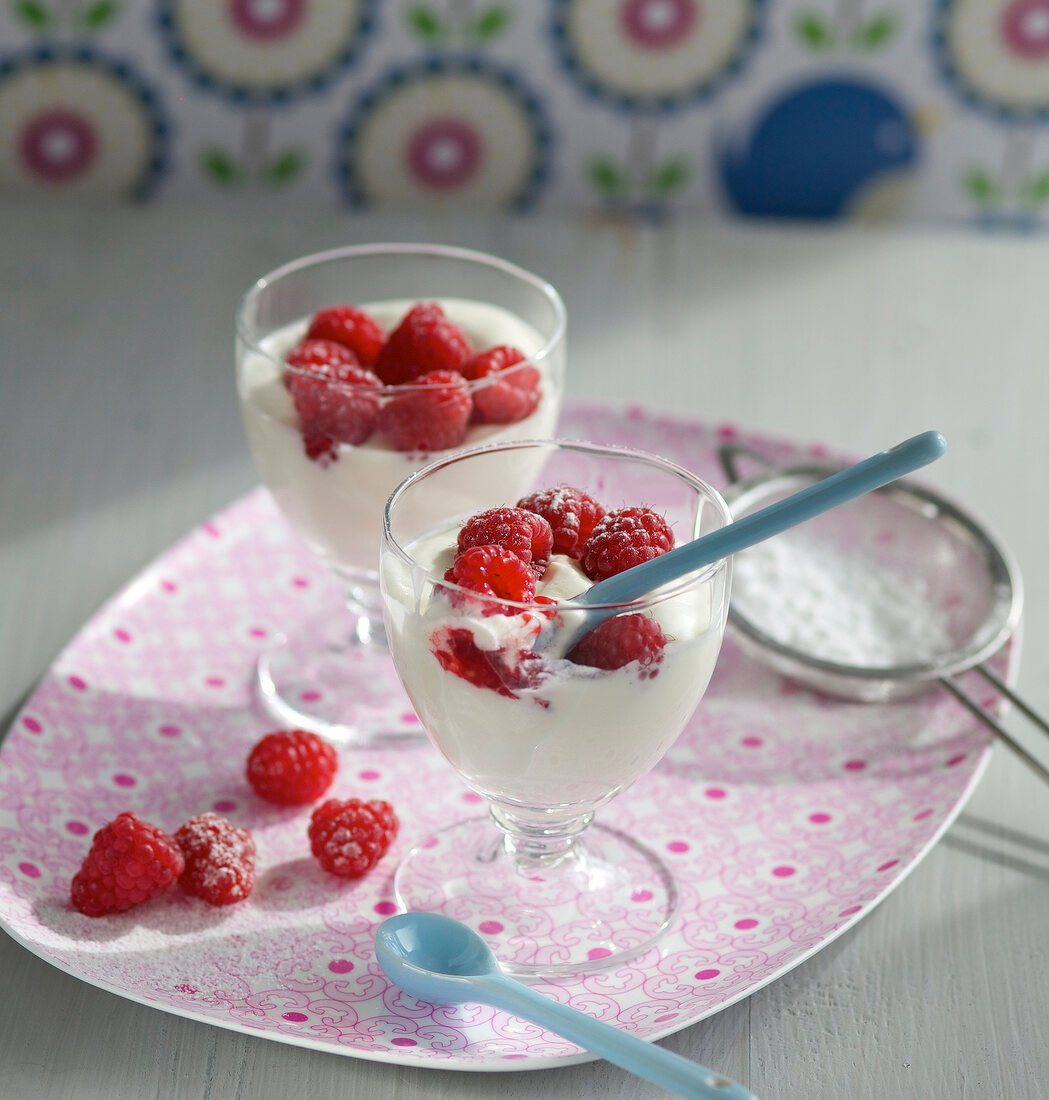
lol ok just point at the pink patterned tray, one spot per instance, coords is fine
(786, 815)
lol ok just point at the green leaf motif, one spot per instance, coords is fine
(426, 23)
(876, 32)
(981, 187)
(490, 23)
(1036, 190)
(98, 15)
(606, 176)
(34, 14)
(670, 176)
(220, 167)
(284, 167)
(813, 31)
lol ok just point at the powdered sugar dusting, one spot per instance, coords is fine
(838, 606)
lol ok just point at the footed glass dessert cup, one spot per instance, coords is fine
(545, 726)
(332, 433)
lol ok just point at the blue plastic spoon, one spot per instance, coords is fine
(602, 599)
(435, 958)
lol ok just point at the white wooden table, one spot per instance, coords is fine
(119, 431)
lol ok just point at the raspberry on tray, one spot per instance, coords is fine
(220, 859)
(349, 837)
(130, 862)
(291, 767)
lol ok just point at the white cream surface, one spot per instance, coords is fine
(336, 507)
(581, 734)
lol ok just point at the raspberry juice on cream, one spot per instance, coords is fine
(570, 736)
(336, 506)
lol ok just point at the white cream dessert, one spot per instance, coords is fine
(336, 506)
(561, 734)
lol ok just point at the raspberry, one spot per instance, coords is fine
(616, 642)
(494, 571)
(458, 653)
(310, 353)
(521, 532)
(571, 513)
(130, 861)
(431, 415)
(512, 392)
(349, 837)
(220, 859)
(423, 342)
(623, 539)
(291, 767)
(351, 327)
(337, 400)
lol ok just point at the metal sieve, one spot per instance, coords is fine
(948, 592)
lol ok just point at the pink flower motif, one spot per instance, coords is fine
(58, 144)
(267, 20)
(658, 24)
(444, 153)
(1024, 26)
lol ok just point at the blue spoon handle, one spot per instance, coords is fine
(653, 1063)
(852, 482)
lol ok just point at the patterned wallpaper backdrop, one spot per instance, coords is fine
(896, 109)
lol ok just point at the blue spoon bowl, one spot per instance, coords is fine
(437, 959)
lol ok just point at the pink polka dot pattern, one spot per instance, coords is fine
(778, 837)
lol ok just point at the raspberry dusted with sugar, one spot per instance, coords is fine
(337, 400)
(616, 642)
(351, 327)
(291, 767)
(220, 860)
(431, 415)
(515, 529)
(423, 342)
(130, 861)
(511, 391)
(494, 571)
(571, 513)
(623, 539)
(349, 837)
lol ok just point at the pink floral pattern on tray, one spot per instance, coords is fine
(786, 815)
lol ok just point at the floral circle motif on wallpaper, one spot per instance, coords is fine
(74, 120)
(995, 55)
(456, 129)
(264, 51)
(654, 55)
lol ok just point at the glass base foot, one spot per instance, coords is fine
(607, 899)
(336, 678)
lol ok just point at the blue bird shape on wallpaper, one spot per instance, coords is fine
(825, 149)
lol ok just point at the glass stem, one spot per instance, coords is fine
(539, 841)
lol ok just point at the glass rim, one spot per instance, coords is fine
(542, 286)
(659, 595)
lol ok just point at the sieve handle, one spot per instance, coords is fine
(1007, 738)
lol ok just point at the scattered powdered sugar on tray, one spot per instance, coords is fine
(838, 605)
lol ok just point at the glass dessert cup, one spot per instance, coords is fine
(334, 675)
(546, 740)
